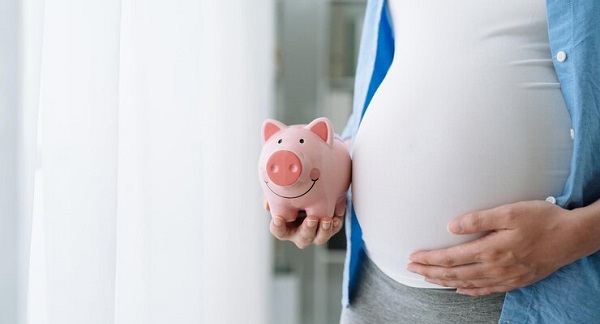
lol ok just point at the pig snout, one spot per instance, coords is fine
(284, 168)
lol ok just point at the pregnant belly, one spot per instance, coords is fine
(424, 156)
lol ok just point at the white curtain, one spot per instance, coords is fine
(136, 196)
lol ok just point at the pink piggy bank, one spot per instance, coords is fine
(304, 167)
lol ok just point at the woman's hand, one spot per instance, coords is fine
(527, 241)
(305, 230)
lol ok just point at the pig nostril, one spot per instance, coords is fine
(274, 168)
(293, 168)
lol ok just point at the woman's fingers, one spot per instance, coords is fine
(307, 230)
(278, 228)
(325, 231)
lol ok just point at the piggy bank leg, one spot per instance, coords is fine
(340, 207)
(321, 211)
(266, 204)
(289, 215)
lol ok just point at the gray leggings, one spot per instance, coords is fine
(380, 299)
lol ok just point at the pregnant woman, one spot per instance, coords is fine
(476, 165)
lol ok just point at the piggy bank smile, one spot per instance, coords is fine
(314, 177)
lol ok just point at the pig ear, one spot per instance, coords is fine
(323, 128)
(270, 127)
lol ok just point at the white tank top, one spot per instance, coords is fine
(470, 116)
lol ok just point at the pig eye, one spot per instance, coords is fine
(301, 141)
(280, 140)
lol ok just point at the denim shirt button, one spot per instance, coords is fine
(551, 200)
(561, 56)
(572, 134)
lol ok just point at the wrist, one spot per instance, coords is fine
(586, 229)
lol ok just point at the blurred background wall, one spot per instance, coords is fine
(317, 53)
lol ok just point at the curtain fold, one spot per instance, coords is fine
(138, 140)
(10, 291)
(79, 102)
(31, 20)
(236, 82)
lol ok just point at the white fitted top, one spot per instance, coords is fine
(470, 116)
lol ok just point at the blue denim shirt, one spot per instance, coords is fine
(571, 294)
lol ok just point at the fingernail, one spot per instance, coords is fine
(455, 227)
(336, 223)
(311, 223)
(326, 225)
(277, 221)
